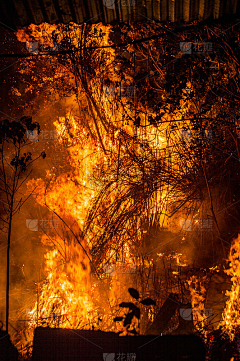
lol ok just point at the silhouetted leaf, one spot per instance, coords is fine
(148, 302)
(129, 305)
(137, 312)
(128, 318)
(134, 293)
(116, 319)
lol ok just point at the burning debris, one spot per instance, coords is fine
(231, 321)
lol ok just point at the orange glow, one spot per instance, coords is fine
(231, 314)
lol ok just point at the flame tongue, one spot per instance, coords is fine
(65, 294)
(231, 315)
(65, 299)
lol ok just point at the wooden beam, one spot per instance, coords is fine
(165, 314)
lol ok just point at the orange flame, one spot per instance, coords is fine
(231, 315)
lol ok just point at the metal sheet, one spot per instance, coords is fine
(18, 13)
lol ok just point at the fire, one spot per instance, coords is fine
(72, 295)
(65, 300)
(65, 296)
(198, 292)
(231, 315)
